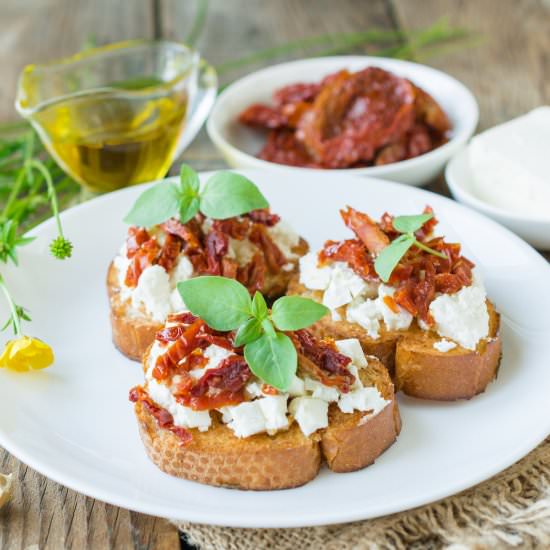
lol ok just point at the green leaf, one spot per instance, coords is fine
(189, 196)
(259, 307)
(154, 206)
(248, 332)
(295, 312)
(268, 328)
(227, 194)
(223, 304)
(272, 359)
(410, 224)
(389, 257)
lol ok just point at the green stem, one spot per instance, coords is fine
(198, 23)
(39, 166)
(13, 308)
(430, 250)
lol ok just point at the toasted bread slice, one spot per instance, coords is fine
(287, 459)
(133, 331)
(417, 368)
(423, 371)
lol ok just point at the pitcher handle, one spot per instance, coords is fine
(207, 88)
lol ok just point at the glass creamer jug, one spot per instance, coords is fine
(119, 114)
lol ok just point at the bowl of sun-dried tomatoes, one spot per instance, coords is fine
(367, 116)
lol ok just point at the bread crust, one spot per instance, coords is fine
(423, 371)
(285, 460)
(133, 333)
(418, 369)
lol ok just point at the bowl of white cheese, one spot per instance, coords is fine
(504, 173)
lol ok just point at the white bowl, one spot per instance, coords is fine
(239, 144)
(536, 231)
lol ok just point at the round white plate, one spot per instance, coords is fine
(239, 144)
(74, 424)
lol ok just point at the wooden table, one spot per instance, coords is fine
(507, 71)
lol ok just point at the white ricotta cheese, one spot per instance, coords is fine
(215, 355)
(241, 251)
(394, 321)
(297, 387)
(247, 419)
(352, 349)
(182, 271)
(444, 345)
(362, 399)
(344, 286)
(310, 413)
(366, 314)
(462, 316)
(510, 164)
(153, 292)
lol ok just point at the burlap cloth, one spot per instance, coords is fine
(510, 510)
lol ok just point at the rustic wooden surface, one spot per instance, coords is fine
(507, 71)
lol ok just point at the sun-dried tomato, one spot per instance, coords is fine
(366, 230)
(217, 245)
(186, 318)
(282, 147)
(168, 362)
(252, 275)
(237, 228)
(164, 419)
(274, 258)
(169, 252)
(322, 360)
(263, 116)
(264, 216)
(218, 387)
(427, 110)
(296, 93)
(351, 251)
(190, 233)
(136, 237)
(143, 258)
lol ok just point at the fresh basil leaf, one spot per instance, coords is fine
(259, 307)
(273, 360)
(389, 257)
(268, 328)
(227, 194)
(410, 224)
(189, 180)
(155, 205)
(248, 332)
(189, 206)
(295, 312)
(223, 304)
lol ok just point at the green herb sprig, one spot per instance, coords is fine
(390, 256)
(224, 195)
(225, 305)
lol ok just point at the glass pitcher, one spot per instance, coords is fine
(119, 114)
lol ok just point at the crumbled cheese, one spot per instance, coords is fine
(247, 419)
(366, 314)
(394, 321)
(285, 238)
(297, 387)
(241, 250)
(312, 276)
(321, 391)
(462, 316)
(176, 301)
(344, 286)
(310, 413)
(153, 292)
(362, 399)
(182, 271)
(254, 389)
(352, 349)
(355, 371)
(274, 410)
(444, 345)
(215, 355)
(183, 416)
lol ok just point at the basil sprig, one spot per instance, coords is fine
(390, 256)
(225, 304)
(224, 195)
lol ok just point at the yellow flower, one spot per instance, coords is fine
(26, 353)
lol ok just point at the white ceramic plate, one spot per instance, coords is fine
(74, 424)
(239, 145)
(535, 231)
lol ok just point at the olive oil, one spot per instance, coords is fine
(108, 139)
